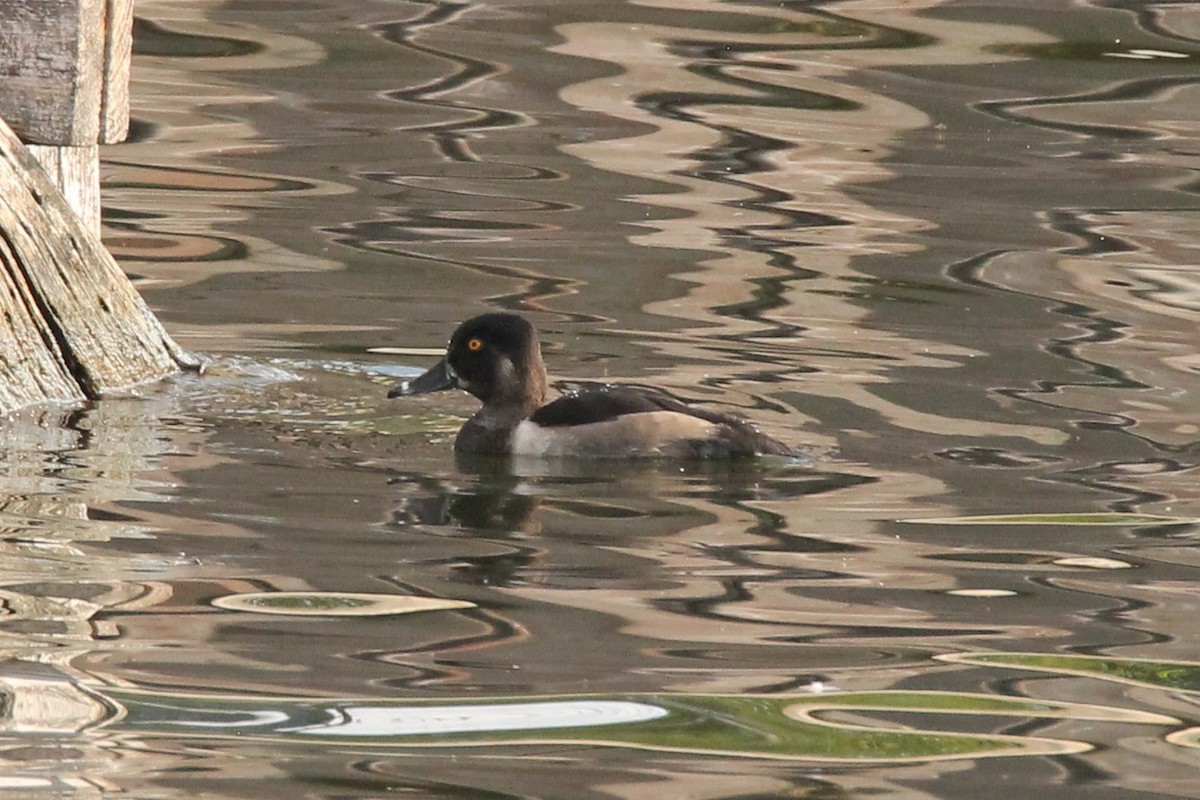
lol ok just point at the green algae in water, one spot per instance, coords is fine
(761, 725)
(412, 424)
(308, 602)
(1180, 675)
(756, 726)
(937, 702)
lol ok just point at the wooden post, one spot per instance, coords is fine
(66, 87)
(71, 324)
(114, 87)
(76, 173)
(76, 327)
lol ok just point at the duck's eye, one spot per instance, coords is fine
(474, 344)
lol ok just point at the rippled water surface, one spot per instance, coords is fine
(948, 249)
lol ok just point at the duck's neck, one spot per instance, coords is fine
(489, 429)
(535, 382)
(522, 391)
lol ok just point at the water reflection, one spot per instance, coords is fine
(777, 726)
(946, 247)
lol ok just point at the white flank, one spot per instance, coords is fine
(649, 433)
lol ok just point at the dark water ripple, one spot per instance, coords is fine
(451, 139)
(742, 153)
(1081, 226)
(1149, 89)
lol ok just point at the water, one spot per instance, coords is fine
(945, 248)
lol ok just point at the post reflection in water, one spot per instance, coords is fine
(944, 248)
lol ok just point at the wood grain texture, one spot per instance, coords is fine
(76, 173)
(52, 59)
(114, 90)
(71, 310)
(32, 366)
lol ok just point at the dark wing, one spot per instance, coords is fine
(603, 404)
(735, 437)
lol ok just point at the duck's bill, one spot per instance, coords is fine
(441, 376)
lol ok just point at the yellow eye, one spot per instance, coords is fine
(475, 344)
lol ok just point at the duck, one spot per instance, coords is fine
(497, 358)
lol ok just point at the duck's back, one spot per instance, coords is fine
(624, 422)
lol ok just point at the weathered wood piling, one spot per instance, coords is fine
(72, 326)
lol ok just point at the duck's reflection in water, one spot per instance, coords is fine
(518, 495)
(614, 524)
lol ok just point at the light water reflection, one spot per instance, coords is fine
(780, 726)
(944, 247)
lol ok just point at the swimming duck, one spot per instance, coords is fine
(497, 358)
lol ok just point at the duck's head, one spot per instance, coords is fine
(495, 357)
